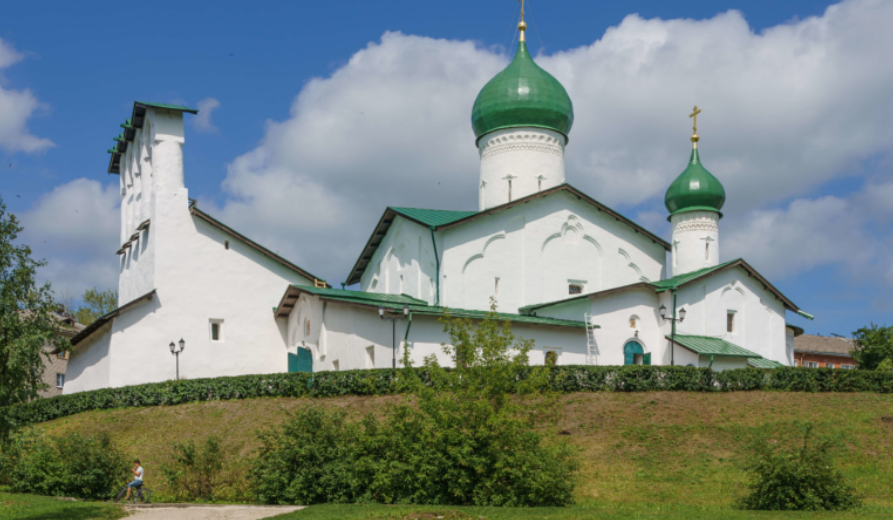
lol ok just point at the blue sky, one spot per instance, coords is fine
(274, 66)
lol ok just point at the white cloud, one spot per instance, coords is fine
(16, 106)
(785, 111)
(75, 227)
(202, 121)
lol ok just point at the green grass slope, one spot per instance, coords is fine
(667, 450)
(29, 507)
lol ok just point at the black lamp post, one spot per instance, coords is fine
(176, 352)
(394, 329)
(674, 319)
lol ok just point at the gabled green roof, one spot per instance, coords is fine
(684, 278)
(523, 94)
(395, 303)
(442, 219)
(708, 346)
(676, 282)
(764, 363)
(433, 217)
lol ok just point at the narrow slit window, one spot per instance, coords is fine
(510, 190)
(216, 331)
(730, 322)
(632, 323)
(226, 244)
(496, 287)
(707, 251)
(60, 380)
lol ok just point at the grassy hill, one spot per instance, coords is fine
(661, 448)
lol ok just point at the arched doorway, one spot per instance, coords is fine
(634, 354)
(300, 362)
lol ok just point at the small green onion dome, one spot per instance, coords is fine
(695, 189)
(522, 94)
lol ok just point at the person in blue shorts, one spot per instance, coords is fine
(137, 478)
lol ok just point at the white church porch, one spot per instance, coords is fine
(342, 329)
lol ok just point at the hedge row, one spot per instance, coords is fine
(565, 379)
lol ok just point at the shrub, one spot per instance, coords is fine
(200, 473)
(460, 440)
(70, 465)
(564, 379)
(796, 472)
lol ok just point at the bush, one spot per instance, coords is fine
(565, 379)
(460, 440)
(795, 472)
(199, 474)
(70, 465)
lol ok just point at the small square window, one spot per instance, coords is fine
(60, 380)
(551, 358)
(62, 355)
(216, 330)
(829, 365)
(811, 364)
(574, 289)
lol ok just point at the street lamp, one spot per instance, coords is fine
(176, 352)
(394, 319)
(674, 319)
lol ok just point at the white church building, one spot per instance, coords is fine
(587, 284)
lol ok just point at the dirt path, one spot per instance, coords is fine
(190, 512)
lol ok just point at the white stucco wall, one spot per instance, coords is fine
(759, 316)
(342, 333)
(404, 263)
(517, 162)
(200, 273)
(537, 249)
(88, 364)
(695, 241)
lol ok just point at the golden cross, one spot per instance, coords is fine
(694, 114)
(522, 9)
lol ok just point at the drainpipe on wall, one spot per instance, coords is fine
(406, 336)
(437, 269)
(673, 333)
(711, 362)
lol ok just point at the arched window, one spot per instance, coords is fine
(306, 327)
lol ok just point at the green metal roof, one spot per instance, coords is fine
(433, 217)
(763, 363)
(684, 278)
(706, 345)
(168, 107)
(363, 296)
(395, 303)
(523, 94)
(797, 330)
(441, 219)
(695, 189)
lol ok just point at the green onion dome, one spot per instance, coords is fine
(522, 94)
(695, 189)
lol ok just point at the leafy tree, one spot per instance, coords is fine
(463, 436)
(96, 304)
(874, 344)
(69, 465)
(795, 471)
(199, 472)
(27, 321)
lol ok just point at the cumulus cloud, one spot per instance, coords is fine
(75, 227)
(785, 111)
(16, 107)
(202, 121)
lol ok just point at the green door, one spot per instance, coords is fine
(646, 359)
(629, 352)
(305, 360)
(300, 362)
